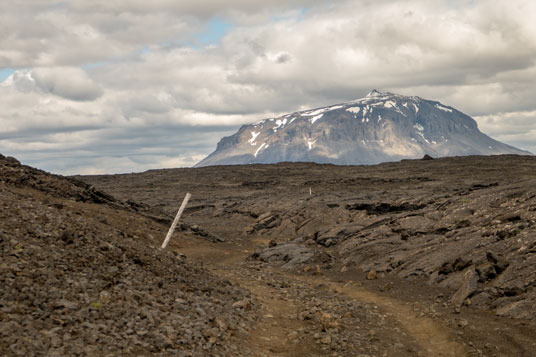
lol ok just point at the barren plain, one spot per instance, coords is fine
(412, 258)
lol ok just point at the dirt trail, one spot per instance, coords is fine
(277, 321)
(278, 311)
(434, 339)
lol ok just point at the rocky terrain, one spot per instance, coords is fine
(415, 258)
(81, 274)
(445, 247)
(380, 127)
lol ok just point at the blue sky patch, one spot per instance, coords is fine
(5, 72)
(217, 28)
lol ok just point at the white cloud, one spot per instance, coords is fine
(514, 128)
(75, 32)
(154, 87)
(509, 124)
(70, 83)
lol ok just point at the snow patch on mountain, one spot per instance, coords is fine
(313, 113)
(438, 106)
(253, 137)
(260, 148)
(315, 118)
(390, 104)
(279, 123)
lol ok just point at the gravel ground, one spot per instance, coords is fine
(81, 274)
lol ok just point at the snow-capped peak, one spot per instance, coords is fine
(374, 94)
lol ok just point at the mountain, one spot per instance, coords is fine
(377, 128)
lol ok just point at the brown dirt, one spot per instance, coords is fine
(430, 330)
(431, 336)
(275, 333)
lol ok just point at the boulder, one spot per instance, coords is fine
(467, 288)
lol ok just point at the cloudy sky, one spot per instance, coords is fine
(110, 86)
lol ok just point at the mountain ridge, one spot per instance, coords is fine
(379, 127)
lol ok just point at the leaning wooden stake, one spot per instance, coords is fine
(176, 220)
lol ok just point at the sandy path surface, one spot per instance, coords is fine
(277, 324)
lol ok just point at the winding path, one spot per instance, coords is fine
(277, 317)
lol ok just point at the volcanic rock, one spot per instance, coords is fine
(81, 274)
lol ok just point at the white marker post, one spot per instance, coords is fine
(176, 220)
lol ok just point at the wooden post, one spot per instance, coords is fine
(176, 220)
